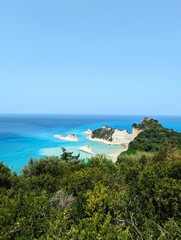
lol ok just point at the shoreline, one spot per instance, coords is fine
(121, 138)
(115, 155)
(124, 142)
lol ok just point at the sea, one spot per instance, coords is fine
(32, 136)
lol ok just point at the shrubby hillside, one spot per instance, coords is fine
(153, 136)
(104, 133)
(63, 198)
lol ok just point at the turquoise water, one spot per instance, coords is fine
(25, 136)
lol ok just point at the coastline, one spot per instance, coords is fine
(87, 149)
(115, 155)
(43, 127)
(124, 141)
(119, 138)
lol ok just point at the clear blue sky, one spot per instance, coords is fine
(90, 56)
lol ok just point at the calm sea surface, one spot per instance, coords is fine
(25, 136)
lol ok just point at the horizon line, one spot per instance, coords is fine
(94, 114)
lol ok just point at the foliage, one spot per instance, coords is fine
(62, 198)
(103, 133)
(4, 176)
(153, 136)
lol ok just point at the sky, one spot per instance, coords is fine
(90, 57)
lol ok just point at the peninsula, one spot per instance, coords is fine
(148, 136)
(153, 136)
(112, 136)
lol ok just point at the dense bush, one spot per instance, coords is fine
(62, 198)
(103, 133)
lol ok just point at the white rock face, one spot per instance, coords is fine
(121, 137)
(135, 132)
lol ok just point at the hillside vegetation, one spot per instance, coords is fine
(153, 136)
(63, 198)
(103, 133)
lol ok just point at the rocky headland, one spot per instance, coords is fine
(112, 136)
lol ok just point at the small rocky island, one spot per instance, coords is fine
(86, 149)
(70, 137)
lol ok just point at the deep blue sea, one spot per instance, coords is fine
(25, 136)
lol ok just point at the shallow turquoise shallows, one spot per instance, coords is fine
(25, 136)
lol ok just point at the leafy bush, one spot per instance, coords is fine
(62, 198)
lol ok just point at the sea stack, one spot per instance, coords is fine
(70, 137)
(86, 149)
